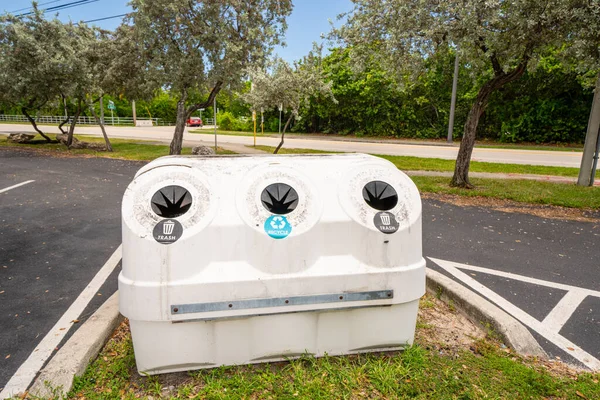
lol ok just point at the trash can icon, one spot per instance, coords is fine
(168, 227)
(250, 259)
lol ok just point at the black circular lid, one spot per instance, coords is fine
(380, 195)
(279, 198)
(171, 201)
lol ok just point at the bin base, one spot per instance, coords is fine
(162, 347)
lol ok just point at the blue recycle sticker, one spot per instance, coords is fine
(278, 227)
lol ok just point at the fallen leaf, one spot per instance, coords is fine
(464, 366)
(75, 321)
(570, 348)
(7, 357)
(578, 393)
(61, 329)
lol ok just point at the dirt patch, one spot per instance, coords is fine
(445, 329)
(539, 210)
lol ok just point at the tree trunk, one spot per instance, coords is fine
(99, 121)
(183, 114)
(73, 123)
(32, 121)
(591, 138)
(283, 133)
(60, 127)
(463, 159)
(177, 142)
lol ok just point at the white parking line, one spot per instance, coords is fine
(27, 372)
(15, 186)
(547, 332)
(563, 310)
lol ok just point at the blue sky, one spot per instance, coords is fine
(305, 26)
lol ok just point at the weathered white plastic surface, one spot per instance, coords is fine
(224, 255)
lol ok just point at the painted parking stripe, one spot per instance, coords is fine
(15, 186)
(27, 372)
(548, 332)
(563, 310)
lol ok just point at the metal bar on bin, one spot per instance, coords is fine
(281, 302)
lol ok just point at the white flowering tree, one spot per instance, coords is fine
(289, 86)
(497, 40)
(35, 62)
(194, 48)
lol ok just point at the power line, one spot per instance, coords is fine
(41, 4)
(62, 6)
(105, 18)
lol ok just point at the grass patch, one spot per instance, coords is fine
(408, 163)
(283, 150)
(123, 149)
(484, 371)
(525, 191)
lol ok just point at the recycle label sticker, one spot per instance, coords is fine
(386, 222)
(167, 231)
(278, 227)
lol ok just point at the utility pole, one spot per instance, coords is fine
(102, 109)
(134, 115)
(215, 121)
(453, 100)
(587, 170)
(280, 109)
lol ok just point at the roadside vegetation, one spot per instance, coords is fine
(435, 367)
(123, 149)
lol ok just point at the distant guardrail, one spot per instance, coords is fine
(83, 120)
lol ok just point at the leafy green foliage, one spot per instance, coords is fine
(486, 371)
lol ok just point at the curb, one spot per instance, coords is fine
(73, 358)
(485, 314)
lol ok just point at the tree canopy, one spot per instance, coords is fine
(501, 37)
(195, 48)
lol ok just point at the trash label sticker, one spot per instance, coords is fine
(386, 222)
(277, 226)
(168, 231)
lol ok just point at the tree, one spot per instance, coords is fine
(194, 47)
(289, 86)
(34, 62)
(584, 49)
(91, 53)
(502, 36)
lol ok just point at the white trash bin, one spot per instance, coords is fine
(238, 260)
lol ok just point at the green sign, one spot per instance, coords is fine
(111, 105)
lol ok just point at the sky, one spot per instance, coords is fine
(309, 19)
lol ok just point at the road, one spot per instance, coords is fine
(60, 223)
(164, 134)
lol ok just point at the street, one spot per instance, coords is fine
(165, 133)
(60, 225)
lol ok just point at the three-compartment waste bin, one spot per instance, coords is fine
(247, 259)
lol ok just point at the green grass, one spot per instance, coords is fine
(123, 149)
(485, 372)
(408, 163)
(527, 146)
(525, 191)
(283, 150)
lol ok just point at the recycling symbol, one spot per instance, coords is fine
(278, 223)
(277, 226)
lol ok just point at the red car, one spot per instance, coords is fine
(194, 121)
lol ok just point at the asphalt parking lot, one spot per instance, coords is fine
(59, 228)
(55, 234)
